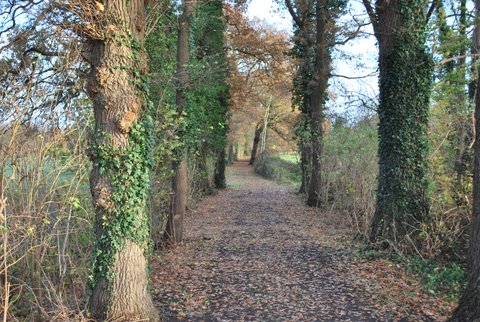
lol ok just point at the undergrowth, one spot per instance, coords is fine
(444, 280)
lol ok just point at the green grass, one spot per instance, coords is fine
(281, 168)
(446, 280)
(292, 157)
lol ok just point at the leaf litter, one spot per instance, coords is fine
(257, 253)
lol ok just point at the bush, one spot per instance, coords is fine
(443, 279)
(350, 169)
(446, 279)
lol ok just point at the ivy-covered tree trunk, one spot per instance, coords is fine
(203, 180)
(317, 99)
(223, 95)
(405, 85)
(174, 228)
(220, 178)
(120, 176)
(315, 33)
(256, 141)
(211, 52)
(305, 164)
(469, 306)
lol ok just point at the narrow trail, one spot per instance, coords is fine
(254, 252)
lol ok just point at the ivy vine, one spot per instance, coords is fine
(126, 218)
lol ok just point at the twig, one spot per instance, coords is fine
(3, 201)
(354, 77)
(446, 60)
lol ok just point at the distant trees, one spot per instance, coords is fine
(189, 91)
(451, 128)
(469, 305)
(260, 81)
(405, 85)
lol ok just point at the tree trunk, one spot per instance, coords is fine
(231, 154)
(322, 73)
(256, 141)
(469, 306)
(119, 180)
(305, 163)
(237, 151)
(178, 203)
(405, 85)
(219, 177)
(203, 177)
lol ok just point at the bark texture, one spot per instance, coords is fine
(317, 99)
(119, 290)
(174, 228)
(126, 297)
(405, 85)
(256, 141)
(219, 175)
(306, 166)
(178, 203)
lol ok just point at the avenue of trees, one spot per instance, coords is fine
(118, 115)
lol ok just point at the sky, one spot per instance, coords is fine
(357, 58)
(271, 13)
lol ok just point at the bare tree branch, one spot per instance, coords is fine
(354, 77)
(294, 15)
(371, 14)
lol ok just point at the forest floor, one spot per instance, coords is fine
(254, 252)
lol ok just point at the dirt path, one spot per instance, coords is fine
(254, 252)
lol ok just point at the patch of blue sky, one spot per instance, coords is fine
(351, 93)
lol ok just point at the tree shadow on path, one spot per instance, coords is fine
(252, 254)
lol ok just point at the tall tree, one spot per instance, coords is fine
(405, 85)
(174, 228)
(256, 141)
(323, 60)
(120, 153)
(304, 52)
(469, 306)
(315, 28)
(213, 93)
